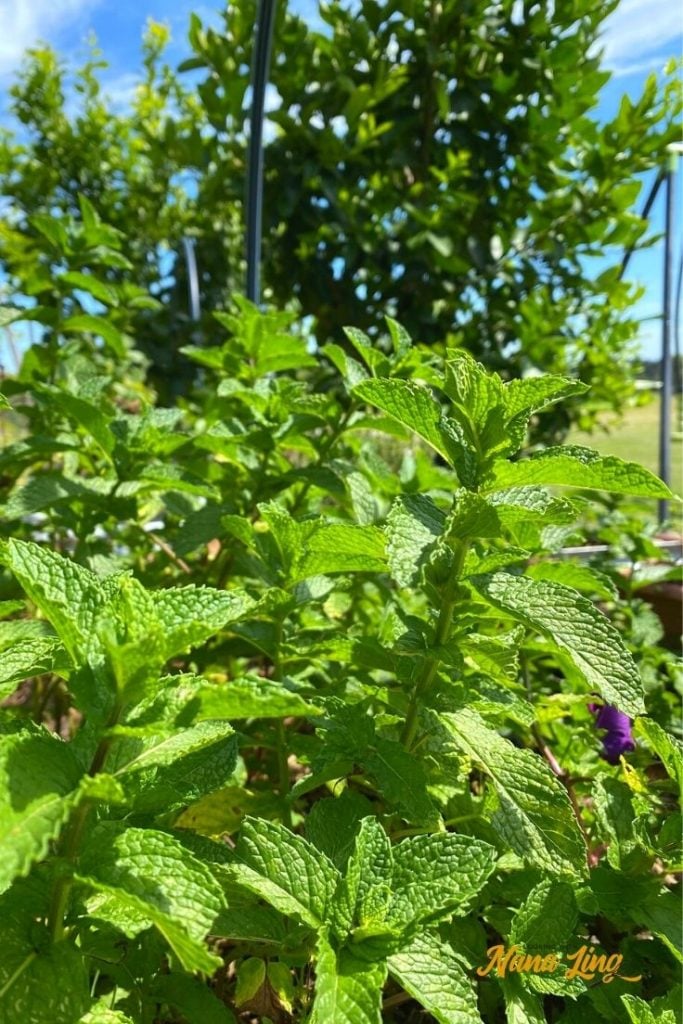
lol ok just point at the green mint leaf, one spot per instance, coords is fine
(517, 505)
(332, 824)
(435, 875)
(100, 1013)
(573, 466)
(401, 779)
(350, 369)
(478, 399)
(363, 896)
(545, 925)
(40, 981)
(666, 747)
(285, 870)
(531, 394)
(413, 526)
(69, 595)
(521, 1006)
(577, 629)
(252, 697)
(31, 657)
(429, 971)
(640, 1012)
(85, 414)
(248, 919)
(663, 917)
(583, 578)
(87, 323)
(412, 405)
(151, 873)
(615, 815)
(51, 490)
(189, 616)
(341, 547)
(39, 776)
(348, 990)
(251, 975)
(374, 358)
(534, 817)
(177, 768)
(196, 1002)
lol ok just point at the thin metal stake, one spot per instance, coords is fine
(667, 365)
(259, 79)
(192, 277)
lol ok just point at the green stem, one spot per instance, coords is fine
(281, 742)
(323, 451)
(71, 841)
(283, 771)
(431, 665)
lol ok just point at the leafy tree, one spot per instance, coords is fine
(439, 162)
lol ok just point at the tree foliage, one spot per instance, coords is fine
(438, 162)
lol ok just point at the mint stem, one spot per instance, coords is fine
(431, 665)
(71, 842)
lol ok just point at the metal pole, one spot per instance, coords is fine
(259, 78)
(644, 215)
(192, 277)
(667, 365)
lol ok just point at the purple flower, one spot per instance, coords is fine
(618, 738)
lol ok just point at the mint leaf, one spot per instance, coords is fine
(534, 817)
(69, 595)
(413, 525)
(190, 615)
(151, 873)
(38, 779)
(31, 657)
(412, 405)
(544, 925)
(88, 416)
(615, 815)
(577, 629)
(401, 779)
(573, 466)
(251, 697)
(332, 824)
(347, 990)
(101, 1014)
(639, 1012)
(196, 1002)
(666, 747)
(341, 547)
(40, 981)
(435, 875)
(583, 578)
(285, 870)
(531, 394)
(430, 972)
(176, 768)
(363, 896)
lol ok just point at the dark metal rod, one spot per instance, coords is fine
(646, 210)
(259, 79)
(192, 278)
(667, 364)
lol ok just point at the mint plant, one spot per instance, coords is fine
(297, 700)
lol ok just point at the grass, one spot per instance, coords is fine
(636, 438)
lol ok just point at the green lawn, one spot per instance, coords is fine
(636, 438)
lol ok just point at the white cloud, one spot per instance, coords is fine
(641, 35)
(28, 21)
(120, 90)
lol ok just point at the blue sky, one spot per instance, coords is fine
(640, 36)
